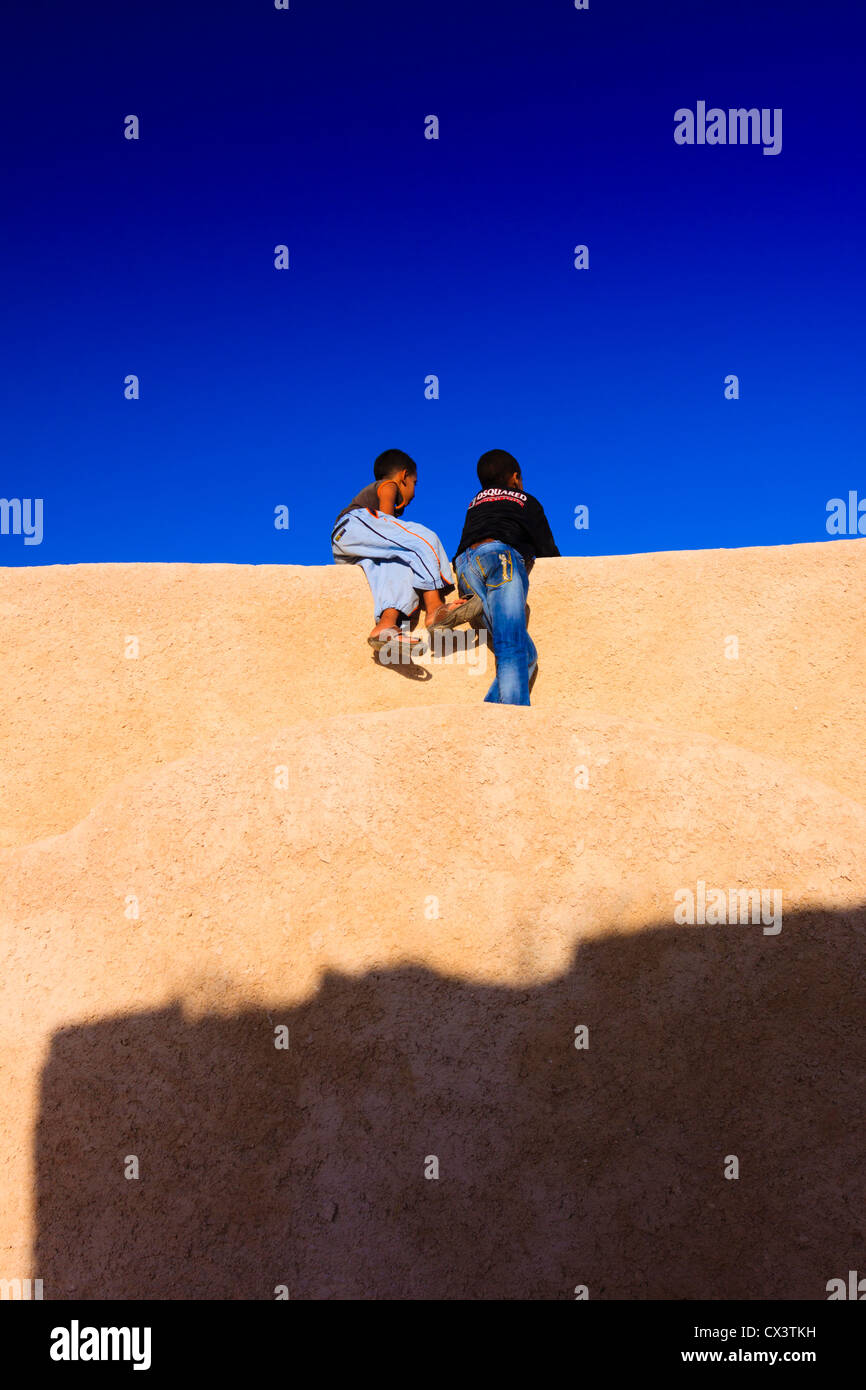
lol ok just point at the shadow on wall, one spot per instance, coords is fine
(557, 1167)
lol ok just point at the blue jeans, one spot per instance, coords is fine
(497, 574)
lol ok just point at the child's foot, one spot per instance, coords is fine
(388, 621)
(463, 610)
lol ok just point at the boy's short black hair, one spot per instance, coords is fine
(496, 467)
(391, 462)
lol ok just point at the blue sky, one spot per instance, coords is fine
(411, 257)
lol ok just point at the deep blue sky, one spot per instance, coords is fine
(411, 257)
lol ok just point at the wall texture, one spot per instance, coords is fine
(252, 826)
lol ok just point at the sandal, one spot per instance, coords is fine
(453, 615)
(393, 634)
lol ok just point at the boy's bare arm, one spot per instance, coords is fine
(387, 492)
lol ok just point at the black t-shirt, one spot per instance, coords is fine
(515, 518)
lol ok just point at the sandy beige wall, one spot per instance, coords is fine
(227, 651)
(252, 826)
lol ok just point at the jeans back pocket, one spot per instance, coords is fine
(496, 570)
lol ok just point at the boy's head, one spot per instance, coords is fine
(395, 464)
(498, 468)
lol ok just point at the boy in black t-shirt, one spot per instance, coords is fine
(505, 529)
